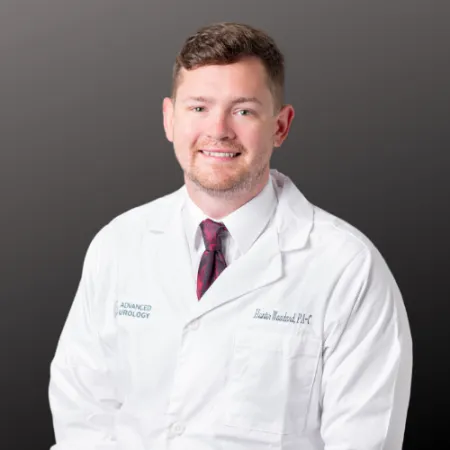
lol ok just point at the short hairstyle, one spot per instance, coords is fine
(227, 43)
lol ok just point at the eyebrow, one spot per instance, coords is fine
(234, 102)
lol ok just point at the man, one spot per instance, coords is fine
(232, 314)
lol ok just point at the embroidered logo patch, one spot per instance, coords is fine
(135, 310)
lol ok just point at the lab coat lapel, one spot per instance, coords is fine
(260, 266)
(170, 255)
(263, 263)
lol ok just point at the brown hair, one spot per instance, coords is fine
(227, 43)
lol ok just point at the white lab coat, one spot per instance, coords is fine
(302, 343)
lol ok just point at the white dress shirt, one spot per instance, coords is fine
(244, 226)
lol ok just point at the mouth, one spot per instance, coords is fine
(220, 154)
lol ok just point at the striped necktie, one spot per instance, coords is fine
(212, 262)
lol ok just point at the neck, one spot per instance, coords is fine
(221, 205)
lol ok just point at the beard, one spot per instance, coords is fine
(222, 181)
(242, 180)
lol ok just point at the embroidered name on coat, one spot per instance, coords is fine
(280, 317)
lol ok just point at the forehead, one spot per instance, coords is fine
(246, 78)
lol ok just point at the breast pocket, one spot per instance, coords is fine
(270, 381)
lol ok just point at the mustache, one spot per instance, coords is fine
(231, 147)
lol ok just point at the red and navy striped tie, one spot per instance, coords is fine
(213, 261)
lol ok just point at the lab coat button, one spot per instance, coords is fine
(194, 325)
(177, 429)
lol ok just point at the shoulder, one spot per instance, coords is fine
(149, 215)
(345, 245)
(131, 225)
(302, 223)
(329, 228)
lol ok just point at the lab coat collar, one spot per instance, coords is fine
(294, 215)
(260, 266)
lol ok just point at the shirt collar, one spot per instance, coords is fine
(244, 225)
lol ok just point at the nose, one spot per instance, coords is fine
(219, 128)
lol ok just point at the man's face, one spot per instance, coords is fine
(223, 126)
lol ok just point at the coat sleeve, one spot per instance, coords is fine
(82, 394)
(367, 360)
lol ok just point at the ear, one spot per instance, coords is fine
(283, 124)
(167, 107)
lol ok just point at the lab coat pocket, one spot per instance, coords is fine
(270, 381)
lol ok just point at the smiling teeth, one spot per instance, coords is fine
(220, 154)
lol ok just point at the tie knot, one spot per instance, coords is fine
(212, 232)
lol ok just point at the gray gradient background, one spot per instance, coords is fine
(81, 140)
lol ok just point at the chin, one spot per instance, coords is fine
(220, 187)
(214, 185)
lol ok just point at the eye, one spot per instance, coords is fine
(198, 108)
(244, 112)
